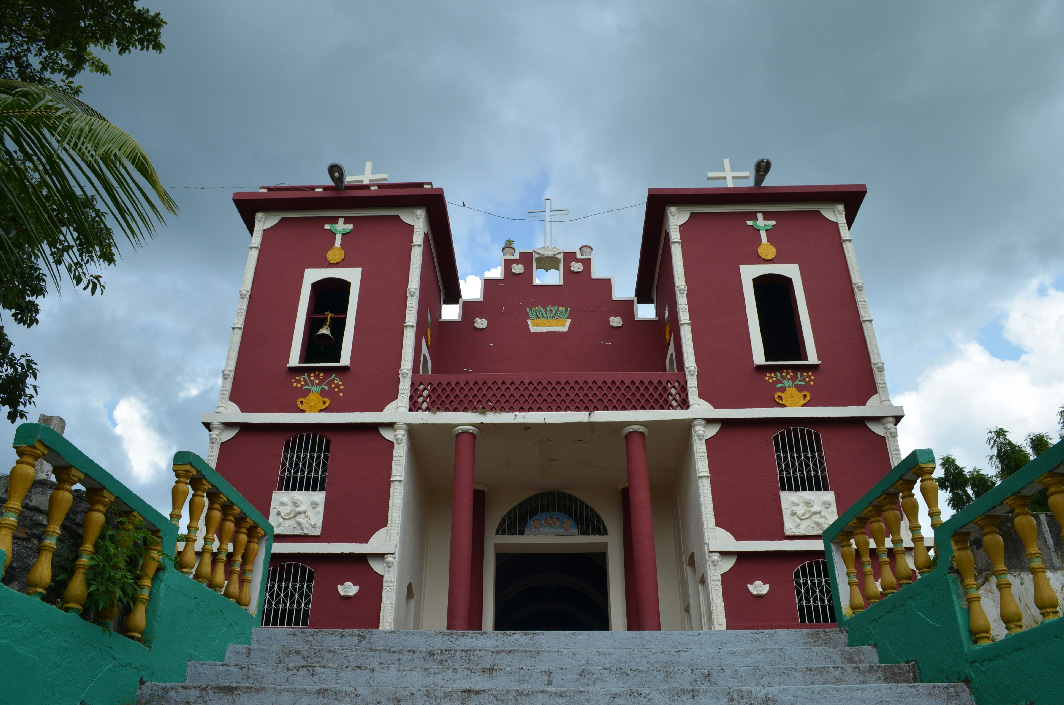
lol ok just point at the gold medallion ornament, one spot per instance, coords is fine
(335, 255)
(790, 396)
(765, 250)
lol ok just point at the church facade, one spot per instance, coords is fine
(551, 460)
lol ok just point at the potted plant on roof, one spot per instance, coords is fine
(508, 249)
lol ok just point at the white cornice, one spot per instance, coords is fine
(451, 419)
(335, 548)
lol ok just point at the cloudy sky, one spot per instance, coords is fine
(950, 112)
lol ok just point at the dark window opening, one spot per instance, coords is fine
(328, 304)
(777, 316)
(551, 592)
(304, 464)
(289, 589)
(800, 460)
(812, 590)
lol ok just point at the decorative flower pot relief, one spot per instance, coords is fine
(787, 380)
(314, 401)
(550, 318)
(508, 249)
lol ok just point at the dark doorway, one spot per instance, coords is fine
(551, 592)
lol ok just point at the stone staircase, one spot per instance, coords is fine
(318, 667)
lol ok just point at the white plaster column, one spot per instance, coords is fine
(261, 224)
(395, 513)
(700, 431)
(676, 218)
(413, 285)
(838, 215)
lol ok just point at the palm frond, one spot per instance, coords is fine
(54, 151)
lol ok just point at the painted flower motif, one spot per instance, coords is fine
(576, 266)
(786, 378)
(314, 382)
(517, 268)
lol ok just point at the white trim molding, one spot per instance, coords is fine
(413, 286)
(749, 272)
(677, 217)
(395, 516)
(322, 548)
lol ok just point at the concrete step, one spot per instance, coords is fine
(357, 675)
(353, 638)
(207, 694)
(486, 656)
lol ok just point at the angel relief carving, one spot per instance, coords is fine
(807, 513)
(297, 513)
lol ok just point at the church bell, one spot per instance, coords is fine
(324, 337)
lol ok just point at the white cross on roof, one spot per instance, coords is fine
(548, 222)
(367, 177)
(727, 174)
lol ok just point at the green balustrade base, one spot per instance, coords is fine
(53, 658)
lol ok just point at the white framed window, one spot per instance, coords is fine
(812, 591)
(800, 460)
(289, 589)
(304, 464)
(777, 315)
(329, 297)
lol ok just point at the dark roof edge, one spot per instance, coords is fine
(658, 199)
(415, 195)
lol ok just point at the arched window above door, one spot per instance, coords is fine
(552, 513)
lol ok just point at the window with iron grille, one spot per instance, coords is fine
(812, 590)
(800, 460)
(304, 463)
(289, 588)
(587, 520)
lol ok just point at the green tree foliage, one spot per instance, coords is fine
(962, 487)
(68, 177)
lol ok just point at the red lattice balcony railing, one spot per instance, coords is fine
(564, 392)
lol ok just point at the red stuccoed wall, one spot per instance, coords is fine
(776, 610)
(590, 344)
(742, 466)
(380, 246)
(714, 245)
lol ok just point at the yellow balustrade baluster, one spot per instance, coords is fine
(214, 517)
(248, 569)
(40, 575)
(240, 542)
(929, 490)
(179, 492)
(911, 507)
(879, 535)
(860, 537)
(77, 590)
(1044, 597)
(994, 546)
(229, 513)
(848, 558)
(19, 483)
(125, 539)
(965, 562)
(187, 560)
(1054, 484)
(137, 619)
(892, 518)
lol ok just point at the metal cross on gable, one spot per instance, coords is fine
(367, 177)
(548, 222)
(728, 175)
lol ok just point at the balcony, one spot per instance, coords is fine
(574, 391)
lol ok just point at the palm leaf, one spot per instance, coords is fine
(54, 151)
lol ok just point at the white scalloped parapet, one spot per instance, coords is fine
(480, 323)
(615, 322)
(576, 266)
(807, 513)
(517, 268)
(297, 513)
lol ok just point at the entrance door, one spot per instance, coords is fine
(551, 592)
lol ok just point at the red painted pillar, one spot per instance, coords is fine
(476, 592)
(461, 568)
(646, 562)
(631, 602)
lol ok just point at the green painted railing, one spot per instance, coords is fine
(917, 608)
(53, 655)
